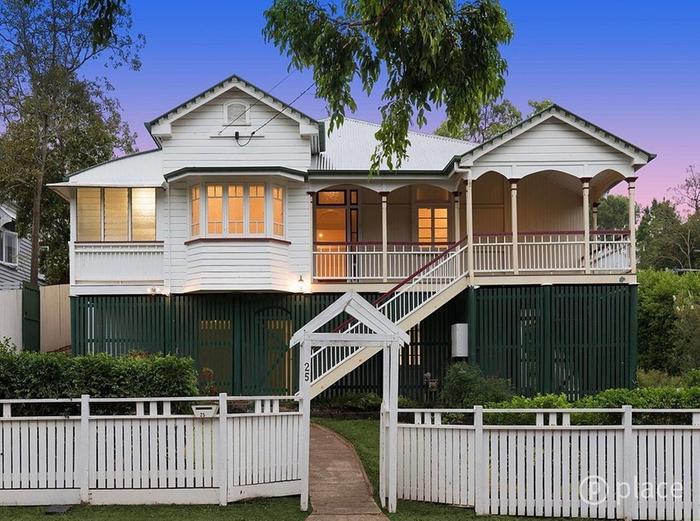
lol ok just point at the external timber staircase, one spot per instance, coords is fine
(406, 304)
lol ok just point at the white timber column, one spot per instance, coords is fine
(457, 224)
(312, 235)
(586, 183)
(385, 254)
(632, 223)
(594, 217)
(470, 228)
(393, 425)
(305, 428)
(514, 222)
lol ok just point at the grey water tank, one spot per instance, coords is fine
(460, 340)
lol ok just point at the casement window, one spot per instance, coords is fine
(194, 210)
(116, 214)
(9, 245)
(236, 113)
(256, 209)
(215, 209)
(432, 224)
(238, 209)
(278, 211)
(235, 209)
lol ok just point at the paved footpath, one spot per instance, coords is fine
(338, 485)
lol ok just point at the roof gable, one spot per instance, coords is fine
(160, 126)
(558, 113)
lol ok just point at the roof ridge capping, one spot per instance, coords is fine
(553, 109)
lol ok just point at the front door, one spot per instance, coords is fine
(336, 224)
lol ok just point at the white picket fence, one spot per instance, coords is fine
(158, 452)
(548, 468)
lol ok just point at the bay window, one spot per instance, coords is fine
(116, 214)
(237, 209)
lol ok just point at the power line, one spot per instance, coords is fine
(286, 106)
(256, 102)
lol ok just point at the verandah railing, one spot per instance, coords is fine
(494, 254)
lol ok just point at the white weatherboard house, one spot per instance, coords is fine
(249, 219)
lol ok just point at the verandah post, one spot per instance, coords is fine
(470, 228)
(83, 450)
(514, 223)
(222, 456)
(385, 255)
(586, 226)
(305, 428)
(632, 223)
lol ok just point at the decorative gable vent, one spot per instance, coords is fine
(236, 113)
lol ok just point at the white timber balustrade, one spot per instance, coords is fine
(129, 263)
(189, 450)
(579, 463)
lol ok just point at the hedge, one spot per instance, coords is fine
(28, 375)
(649, 398)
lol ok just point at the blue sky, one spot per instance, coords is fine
(631, 67)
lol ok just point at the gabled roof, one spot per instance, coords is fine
(223, 86)
(350, 147)
(357, 307)
(563, 114)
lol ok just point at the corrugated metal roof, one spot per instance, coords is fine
(350, 147)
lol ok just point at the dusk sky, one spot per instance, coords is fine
(631, 67)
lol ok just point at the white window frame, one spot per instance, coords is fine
(5, 234)
(268, 232)
(241, 122)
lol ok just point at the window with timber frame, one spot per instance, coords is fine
(241, 209)
(116, 214)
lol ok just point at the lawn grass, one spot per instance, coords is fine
(278, 509)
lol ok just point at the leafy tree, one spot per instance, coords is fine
(665, 241)
(437, 52)
(494, 118)
(687, 194)
(43, 46)
(88, 132)
(538, 106)
(613, 212)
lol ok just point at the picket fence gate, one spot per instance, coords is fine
(152, 450)
(547, 467)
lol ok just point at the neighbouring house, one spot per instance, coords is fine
(250, 218)
(15, 252)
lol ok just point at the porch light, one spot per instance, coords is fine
(300, 284)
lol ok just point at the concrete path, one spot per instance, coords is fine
(338, 485)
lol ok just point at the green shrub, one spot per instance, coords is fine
(28, 375)
(692, 378)
(352, 402)
(655, 378)
(466, 386)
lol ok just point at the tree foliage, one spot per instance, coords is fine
(494, 118)
(687, 193)
(43, 46)
(613, 212)
(430, 52)
(665, 241)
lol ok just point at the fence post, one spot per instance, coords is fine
(305, 428)
(223, 449)
(480, 464)
(83, 463)
(628, 464)
(695, 465)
